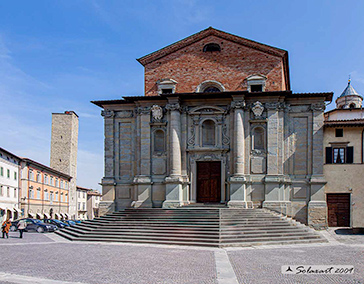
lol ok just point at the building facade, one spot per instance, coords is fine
(81, 198)
(45, 191)
(344, 157)
(218, 123)
(93, 204)
(9, 185)
(64, 145)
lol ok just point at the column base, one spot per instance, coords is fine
(174, 192)
(282, 207)
(106, 207)
(240, 204)
(143, 187)
(317, 214)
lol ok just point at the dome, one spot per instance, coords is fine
(349, 91)
(349, 98)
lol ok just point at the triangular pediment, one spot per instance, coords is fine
(205, 33)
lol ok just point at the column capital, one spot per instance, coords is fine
(238, 104)
(107, 113)
(173, 107)
(142, 110)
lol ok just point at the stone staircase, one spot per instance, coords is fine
(213, 227)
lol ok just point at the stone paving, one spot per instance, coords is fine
(41, 258)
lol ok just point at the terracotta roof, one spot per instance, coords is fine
(203, 34)
(9, 153)
(30, 161)
(94, 192)
(83, 188)
(351, 122)
(224, 35)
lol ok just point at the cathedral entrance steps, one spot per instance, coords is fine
(214, 227)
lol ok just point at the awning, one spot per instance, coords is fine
(40, 215)
(47, 215)
(57, 215)
(17, 210)
(63, 215)
(32, 215)
(68, 215)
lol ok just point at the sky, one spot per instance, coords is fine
(60, 55)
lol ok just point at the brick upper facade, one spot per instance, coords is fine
(187, 63)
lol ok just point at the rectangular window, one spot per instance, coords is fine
(84, 206)
(338, 155)
(256, 88)
(8, 173)
(66, 198)
(2, 171)
(51, 181)
(84, 195)
(56, 197)
(45, 179)
(61, 186)
(339, 132)
(8, 192)
(14, 192)
(15, 176)
(38, 193)
(1, 190)
(79, 205)
(56, 182)
(38, 177)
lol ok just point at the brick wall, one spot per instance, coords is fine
(190, 66)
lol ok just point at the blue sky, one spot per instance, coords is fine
(60, 55)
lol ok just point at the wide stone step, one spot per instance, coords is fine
(207, 227)
(272, 242)
(150, 241)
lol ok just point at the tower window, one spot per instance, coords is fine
(211, 47)
(352, 106)
(339, 132)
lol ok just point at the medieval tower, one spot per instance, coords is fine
(64, 143)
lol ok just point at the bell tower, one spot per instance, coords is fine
(64, 144)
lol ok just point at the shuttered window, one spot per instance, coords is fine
(339, 155)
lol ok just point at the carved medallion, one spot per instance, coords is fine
(258, 109)
(157, 112)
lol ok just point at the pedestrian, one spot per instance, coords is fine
(21, 227)
(5, 228)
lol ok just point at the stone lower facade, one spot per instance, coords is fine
(271, 160)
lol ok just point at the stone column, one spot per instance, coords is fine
(237, 181)
(317, 206)
(142, 181)
(174, 193)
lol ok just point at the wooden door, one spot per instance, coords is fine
(208, 181)
(338, 209)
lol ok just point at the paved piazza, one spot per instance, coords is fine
(47, 258)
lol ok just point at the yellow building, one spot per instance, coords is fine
(344, 167)
(44, 191)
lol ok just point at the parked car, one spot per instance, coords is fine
(71, 222)
(58, 223)
(34, 225)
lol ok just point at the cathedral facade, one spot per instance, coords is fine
(218, 123)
